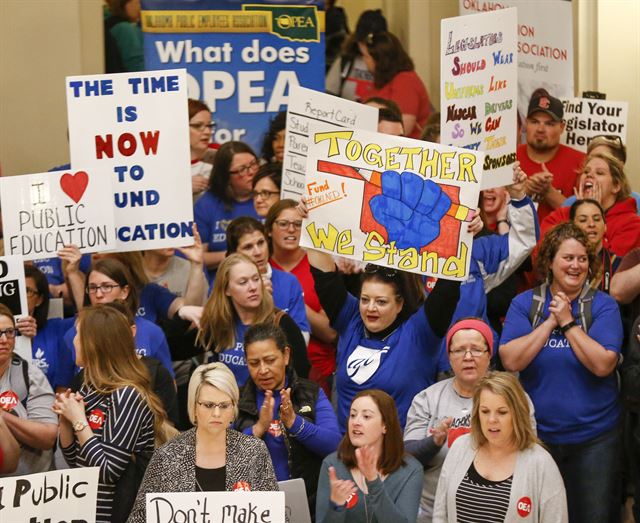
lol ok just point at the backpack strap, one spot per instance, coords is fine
(18, 360)
(585, 303)
(537, 305)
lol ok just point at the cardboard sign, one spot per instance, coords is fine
(133, 130)
(264, 507)
(479, 86)
(391, 201)
(586, 118)
(43, 212)
(68, 495)
(545, 45)
(307, 106)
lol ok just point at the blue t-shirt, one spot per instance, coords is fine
(50, 354)
(155, 301)
(402, 364)
(234, 357)
(150, 341)
(288, 296)
(572, 404)
(52, 268)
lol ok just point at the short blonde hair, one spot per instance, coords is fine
(217, 375)
(507, 386)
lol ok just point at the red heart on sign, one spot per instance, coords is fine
(74, 185)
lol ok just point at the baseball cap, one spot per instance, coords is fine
(547, 104)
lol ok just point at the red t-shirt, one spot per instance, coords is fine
(565, 167)
(408, 91)
(322, 356)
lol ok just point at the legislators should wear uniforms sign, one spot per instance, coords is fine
(132, 129)
(305, 107)
(58, 496)
(241, 57)
(479, 86)
(586, 118)
(391, 201)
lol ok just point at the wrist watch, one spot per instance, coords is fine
(79, 425)
(568, 326)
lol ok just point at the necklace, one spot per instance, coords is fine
(198, 486)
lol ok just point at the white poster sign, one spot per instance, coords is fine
(586, 118)
(133, 129)
(43, 212)
(479, 87)
(545, 45)
(223, 507)
(305, 106)
(13, 294)
(68, 495)
(392, 201)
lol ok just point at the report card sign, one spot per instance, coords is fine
(133, 128)
(391, 201)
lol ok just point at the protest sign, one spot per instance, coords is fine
(59, 496)
(586, 118)
(545, 45)
(133, 129)
(12, 286)
(223, 507)
(479, 86)
(43, 212)
(241, 58)
(392, 201)
(307, 106)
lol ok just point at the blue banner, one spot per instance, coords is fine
(241, 58)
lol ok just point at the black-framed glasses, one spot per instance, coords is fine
(461, 353)
(265, 195)
(285, 224)
(211, 405)
(245, 168)
(32, 292)
(387, 272)
(202, 126)
(105, 288)
(9, 333)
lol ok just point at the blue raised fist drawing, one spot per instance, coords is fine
(410, 208)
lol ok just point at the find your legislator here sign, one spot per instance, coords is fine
(216, 507)
(133, 129)
(586, 118)
(391, 201)
(241, 57)
(68, 496)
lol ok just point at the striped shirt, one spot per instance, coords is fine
(480, 500)
(122, 424)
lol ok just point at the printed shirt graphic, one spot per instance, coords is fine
(363, 363)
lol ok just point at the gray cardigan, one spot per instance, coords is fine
(173, 468)
(535, 477)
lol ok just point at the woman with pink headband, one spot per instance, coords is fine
(442, 412)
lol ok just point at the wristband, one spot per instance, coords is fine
(568, 326)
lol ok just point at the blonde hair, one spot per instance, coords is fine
(616, 168)
(217, 375)
(508, 387)
(217, 325)
(111, 363)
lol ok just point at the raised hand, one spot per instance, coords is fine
(441, 431)
(517, 188)
(27, 326)
(367, 460)
(560, 307)
(70, 256)
(194, 253)
(341, 489)
(266, 415)
(287, 413)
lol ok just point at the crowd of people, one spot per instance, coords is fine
(244, 360)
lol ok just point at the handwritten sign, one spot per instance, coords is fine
(133, 129)
(305, 106)
(68, 495)
(545, 45)
(391, 201)
(586, 118)
(43, 212)
(480, 88)
(221, 507)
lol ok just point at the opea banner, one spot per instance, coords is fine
(586, 118)
(545, 45)
(132, 129)
(43, 212)
(241, 57)
(307, 106)
(391, 201)
(261, 507)
(68, 495)
(479, 86)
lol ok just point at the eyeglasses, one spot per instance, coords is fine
(202, 126)
(245, 168)
(265, 195)
(387, 272)
(9, 333)
(105, 288)
(461, 353)
(211, 406)
(285, 224)
(32, 292)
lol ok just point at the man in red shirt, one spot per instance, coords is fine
(552, 168)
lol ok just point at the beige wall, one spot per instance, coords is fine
(41, 42)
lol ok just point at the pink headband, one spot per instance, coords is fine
(476, 325)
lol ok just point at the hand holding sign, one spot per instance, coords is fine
(410, 208)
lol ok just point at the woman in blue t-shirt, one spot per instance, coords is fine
(564, 338)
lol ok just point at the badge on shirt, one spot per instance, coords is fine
(8, 400)
(96, 419)
(275, 428)
(352, 500)
(524, 507)
(241, 486)
(363, 363)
